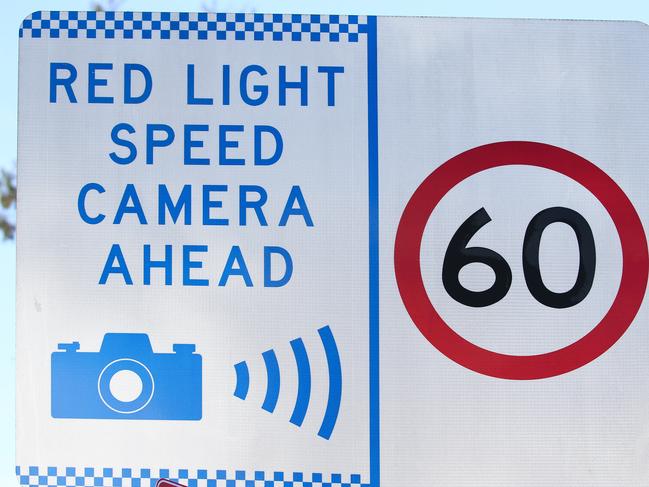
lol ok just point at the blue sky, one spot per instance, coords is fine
(14, 12)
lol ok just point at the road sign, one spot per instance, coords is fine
(321, 250)
(615, 322)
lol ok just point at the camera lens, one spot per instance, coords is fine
(125, 386)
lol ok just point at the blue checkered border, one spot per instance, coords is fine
(130, 477)
(198, 25)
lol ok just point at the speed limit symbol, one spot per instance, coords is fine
(459, 253)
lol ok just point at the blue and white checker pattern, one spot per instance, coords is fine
(130, 477)
(199, 25)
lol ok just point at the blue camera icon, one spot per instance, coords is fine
(162, 386)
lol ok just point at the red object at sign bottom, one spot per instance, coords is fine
(168, 483)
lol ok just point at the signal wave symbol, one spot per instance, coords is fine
(304, 381)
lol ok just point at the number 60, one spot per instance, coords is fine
(459, 255)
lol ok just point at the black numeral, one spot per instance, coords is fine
(531, 243)
(459, 255)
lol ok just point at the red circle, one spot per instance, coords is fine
(635, 261)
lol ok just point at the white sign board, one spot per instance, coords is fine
(318, 250)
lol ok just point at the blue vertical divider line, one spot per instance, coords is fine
(243, 380)
(373, 176)
(272, 389)
(335, 382)
(303, 382)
